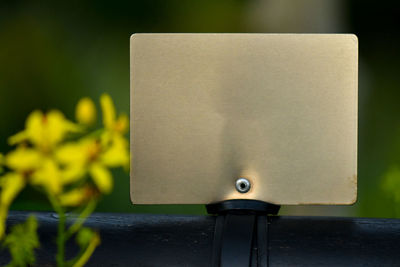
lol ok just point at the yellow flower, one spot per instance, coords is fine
(78, 153)
(102, 177)
(45, 130)
(117, 153)
(116, 147)
(74, 197)
(23, 159)
(111, 122)
(72, 173)
(48, 176)
(85, 156)
(85, 112)
(39, 169)
(11, 184)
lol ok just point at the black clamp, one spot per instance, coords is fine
(241, 232)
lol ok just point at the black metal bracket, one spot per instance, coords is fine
(241, 232)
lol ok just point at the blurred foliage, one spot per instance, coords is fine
(53, 52)
(69, 163)
(391, 184)
(22, 241)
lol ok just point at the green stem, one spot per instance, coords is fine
(61, 231)
(81, 219)
(88, 251)
(61, 240)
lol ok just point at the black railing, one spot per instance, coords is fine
(177, 240)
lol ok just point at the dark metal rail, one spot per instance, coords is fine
(177, 240)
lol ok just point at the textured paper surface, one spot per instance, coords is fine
(278, 109)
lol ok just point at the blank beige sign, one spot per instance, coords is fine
(277, 109)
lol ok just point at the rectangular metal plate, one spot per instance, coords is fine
(278, 109)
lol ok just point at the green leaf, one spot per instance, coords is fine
(22, 241)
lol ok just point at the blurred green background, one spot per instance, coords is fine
(53, 53)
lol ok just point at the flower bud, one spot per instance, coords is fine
(85, 111)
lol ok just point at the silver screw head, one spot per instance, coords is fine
(243, 185)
